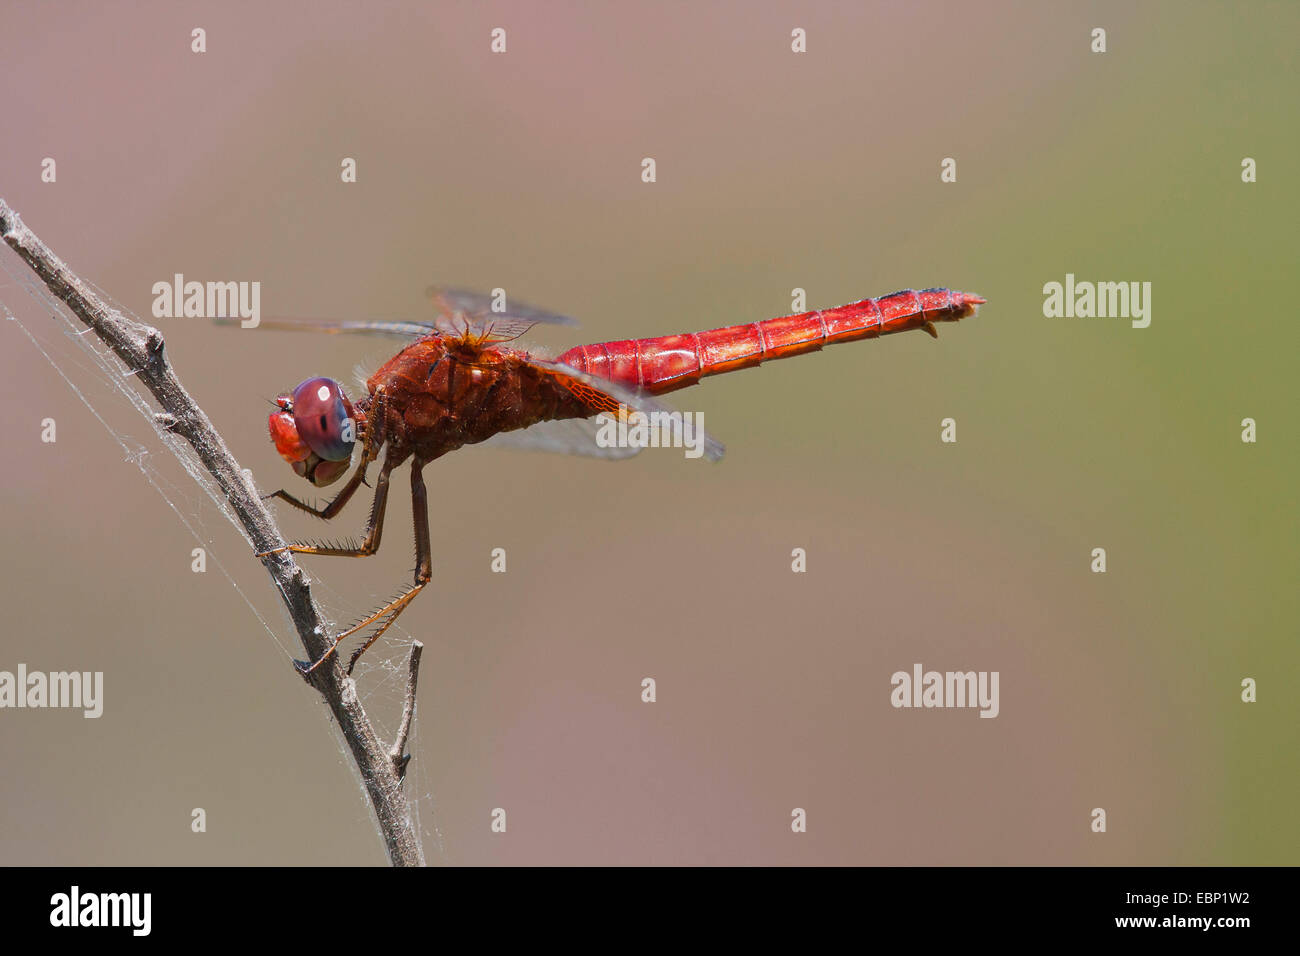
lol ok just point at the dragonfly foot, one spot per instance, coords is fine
(263, 554)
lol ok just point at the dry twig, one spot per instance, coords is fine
(141, 350)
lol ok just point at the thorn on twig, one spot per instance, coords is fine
(397, 752)
(167, 421)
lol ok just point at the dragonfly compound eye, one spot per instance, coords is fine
(324, 420)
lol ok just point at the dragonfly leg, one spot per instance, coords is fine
(423, 573)
(423, 558)
(374, 527)
(335, 506)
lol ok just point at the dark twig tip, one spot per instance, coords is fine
(397, 751)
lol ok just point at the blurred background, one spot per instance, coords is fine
(819, 171)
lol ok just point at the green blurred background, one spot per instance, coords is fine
(775, 171)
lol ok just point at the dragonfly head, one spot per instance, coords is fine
(314, 429)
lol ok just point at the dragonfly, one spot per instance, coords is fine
(460, 382)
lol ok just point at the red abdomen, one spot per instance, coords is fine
(670, 362)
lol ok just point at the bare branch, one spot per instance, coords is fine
(140, 349)
(397, 752)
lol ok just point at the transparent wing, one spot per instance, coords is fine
(570, 436)
(465, 300)
(410, 330)
(461, 314)
(603, 396)
(486, 317)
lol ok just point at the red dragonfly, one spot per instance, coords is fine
(457, 384)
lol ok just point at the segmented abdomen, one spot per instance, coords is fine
(670, 362)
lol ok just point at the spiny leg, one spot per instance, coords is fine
(335, 506)
(374, 532)
(374, 527)
(423, 562)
